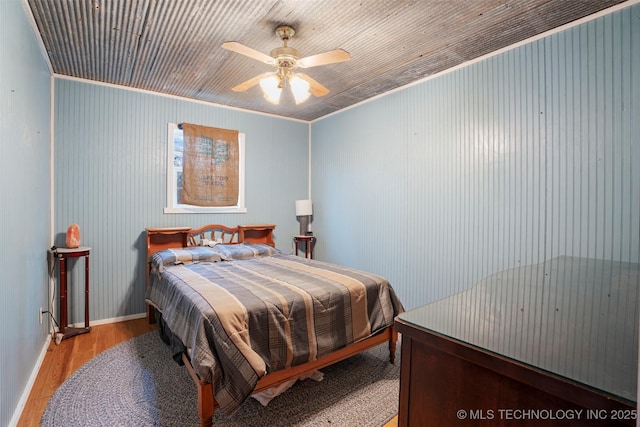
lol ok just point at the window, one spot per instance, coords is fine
(174, 177)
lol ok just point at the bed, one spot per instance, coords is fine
(245, 317)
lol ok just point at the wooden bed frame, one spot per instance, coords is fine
(164, 238)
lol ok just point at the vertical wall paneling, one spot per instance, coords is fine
(526, 157)
(24, 198)
(516, 159)
(110, 179)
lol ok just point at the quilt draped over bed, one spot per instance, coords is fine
(242, 319)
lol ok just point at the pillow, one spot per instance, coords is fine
(246, 251)
(167, 257)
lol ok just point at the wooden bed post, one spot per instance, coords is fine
(205, 403)
(392, 345)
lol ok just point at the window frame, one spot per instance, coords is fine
(172, 205)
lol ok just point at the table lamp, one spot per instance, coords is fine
(304, 209)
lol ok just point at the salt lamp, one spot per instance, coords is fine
(73, 236)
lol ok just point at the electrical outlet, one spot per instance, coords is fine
(40, 314)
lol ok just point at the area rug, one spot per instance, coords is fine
(137, 383)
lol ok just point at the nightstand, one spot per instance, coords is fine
(308, 241)
(62, 254)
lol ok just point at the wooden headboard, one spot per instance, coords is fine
(214, 232)
(182, 237)
(165, 238)
(256, 233)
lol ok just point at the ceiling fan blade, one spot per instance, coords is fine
(250, 83)
(247, 51)
(331, 57)
(314, 87)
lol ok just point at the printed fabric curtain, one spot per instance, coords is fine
(211, 158)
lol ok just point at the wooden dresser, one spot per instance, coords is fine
(553, 344)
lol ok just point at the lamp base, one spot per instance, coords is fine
(304, 225)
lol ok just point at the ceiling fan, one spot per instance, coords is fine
(286, 59)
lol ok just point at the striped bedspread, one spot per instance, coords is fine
(244, 318)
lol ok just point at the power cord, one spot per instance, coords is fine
(51, 315)
(58, 336)
(53, 252)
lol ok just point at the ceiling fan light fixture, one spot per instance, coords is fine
(271, 89)
(286, 60)
(300, 89)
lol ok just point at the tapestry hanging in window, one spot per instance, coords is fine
(210, 166)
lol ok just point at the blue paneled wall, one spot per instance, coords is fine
(110, 179)
(24, 202)
(513, 160)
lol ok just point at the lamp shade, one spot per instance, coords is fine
(271, 88)
(300, 89)
(304, 207)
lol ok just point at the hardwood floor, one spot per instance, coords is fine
(62, 360)
(392, 422)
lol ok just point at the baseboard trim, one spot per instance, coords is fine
(111, 320)
(32, 379)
